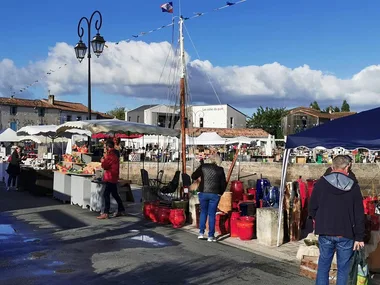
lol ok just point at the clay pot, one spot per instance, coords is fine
(222, 224)
(147, 209)
(375, 225)
(177, 218)
(237, 189)
(247, 197)
(153, 213)
(252, 191)
(245, 227)
(233, 224)
(163, 214)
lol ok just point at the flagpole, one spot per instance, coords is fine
(182, 95)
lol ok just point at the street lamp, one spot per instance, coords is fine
(97, 44)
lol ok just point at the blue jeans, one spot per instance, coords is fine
(209, 204)
(344, 252)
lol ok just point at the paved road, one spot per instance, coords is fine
(63, 244)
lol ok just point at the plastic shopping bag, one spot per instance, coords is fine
(359, 274)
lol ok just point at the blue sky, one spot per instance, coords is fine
(335, 37)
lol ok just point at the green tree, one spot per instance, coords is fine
(315, 106)
(118, 113)
(345, 106)
(336, 109)
(268, 119)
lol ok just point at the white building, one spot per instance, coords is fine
(208, 116)
(216, 116)
(158, 115)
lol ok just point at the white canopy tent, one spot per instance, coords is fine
(9, 135)
(117, 127)
(49, 131)
(153, 139)
(207, 138)
(239, 140)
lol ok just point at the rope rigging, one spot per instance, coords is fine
(49, 72)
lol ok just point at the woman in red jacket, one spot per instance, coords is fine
(111, 166)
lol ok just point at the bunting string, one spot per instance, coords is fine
(46, 74)
(141, 34)
(196, 15)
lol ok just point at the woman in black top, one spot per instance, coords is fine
(14, 166)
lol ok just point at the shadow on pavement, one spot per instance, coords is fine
(61, 219)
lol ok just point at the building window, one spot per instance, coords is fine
(231, 122)
(129, 118)
(79, 118)
(41, 112)
(138, 119)
(13, 110)
(201, 122)
(68, 118)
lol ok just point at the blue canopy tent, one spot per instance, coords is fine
(351, 132)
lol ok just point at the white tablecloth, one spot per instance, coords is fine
(3, 172)
(62, 186)
(81, 191)
(97, 199)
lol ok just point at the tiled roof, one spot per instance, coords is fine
(319, 114)
(44, 103)
(230, 133)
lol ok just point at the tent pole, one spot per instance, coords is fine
(285, 161)
(144, 153)
(158, 155)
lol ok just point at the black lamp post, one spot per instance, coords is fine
(97, 44)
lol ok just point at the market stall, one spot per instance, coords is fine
(350, 133)
(37, 172)
(81, 176)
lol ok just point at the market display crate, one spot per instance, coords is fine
(309, 268)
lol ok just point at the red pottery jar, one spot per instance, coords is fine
(252, 191)
(375, 226)
(245, 227)
(237, 190)
(365, 205)
(153, 212)
(222, 224)
(248, 197)
(177, 217)
(163, 214)
(148, 208)
(233, 224)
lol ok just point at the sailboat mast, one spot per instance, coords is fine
(182, 95)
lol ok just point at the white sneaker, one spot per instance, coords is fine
(211, 239)
(201, 236)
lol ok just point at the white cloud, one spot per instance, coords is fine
(136, 69)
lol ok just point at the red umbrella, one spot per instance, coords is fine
(121, 136)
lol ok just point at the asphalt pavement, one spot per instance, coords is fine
(43, 241)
